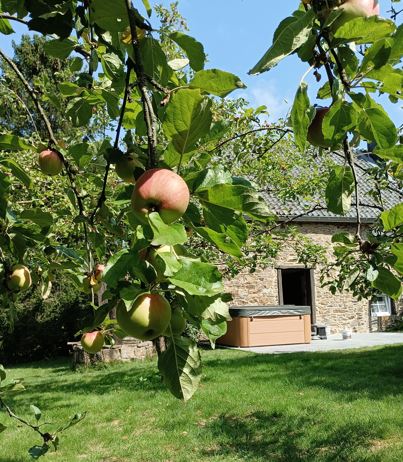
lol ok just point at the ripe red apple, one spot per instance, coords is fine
(125, 168)
(315, 134)
(50, 162)
(147, 319)
(163, 191)
(92, 342)
(178, 323)
(19, 278)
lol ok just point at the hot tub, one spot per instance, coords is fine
(268, 325)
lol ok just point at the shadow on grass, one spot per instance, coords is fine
(262, 436)
(375, 373)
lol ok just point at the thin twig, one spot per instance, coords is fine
(148, 110)
(261, 154)
(102, 196)
(242, 135)
(351, 163)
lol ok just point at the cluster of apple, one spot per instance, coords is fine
(350, 9)
(156, 190)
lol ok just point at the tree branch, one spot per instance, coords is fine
(102, 196)
(149, 115)
(349, 157)
(13, 18)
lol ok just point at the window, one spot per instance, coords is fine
(381, 306)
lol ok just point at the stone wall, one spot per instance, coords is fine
(338, 312)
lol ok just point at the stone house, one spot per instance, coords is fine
(286, 282)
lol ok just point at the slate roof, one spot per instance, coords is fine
(315, 210)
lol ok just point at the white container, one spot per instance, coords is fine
(346, 334)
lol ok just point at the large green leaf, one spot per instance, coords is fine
(212, 308)
(198, 278)
(110, 16)
(377, 55)
(392, 218)
(397, 251)
(364, 30)
(194, 50)
(180, 367)
(213, 330)
(394, 153)
(166, 234)
(17, 171)
(340, 118)
(117, 267)
(5, 27)
(59, 48)
(339, 190)
(216, 82)
(391, 79)
(188, 118)
(13, 143)
(236, 197)
(154, 60)
(288, 37)
(301, 116)
(374, 122)
(43, 219)
(387, 283)
(221, 240)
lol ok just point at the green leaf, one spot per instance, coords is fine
(81, 154)
(117, 267)
(397, 251)
(388, 283)
(301, 116)
(188, 118)
(147, 6)
(2, 427)
(374, 122)
(110, 16)
(339, 190)
(59, 48)
(376, 55)
(213, 309)
(18, 172)
(392, 218)
(129, 295)
(394, 153)
(112, 66)
(216, 82)
(341, 118)
(364, 30)
(43, 219)
(154, 60)
(207, 178)
(198, 278)
(36, 411)
(236, 197)
(194, 50)
(166, 234)
(180, 367)
(221, 240)
(391, 80)
(3, 373)
(213, 330)
(5, 27)
(288, 37)
(13, 143)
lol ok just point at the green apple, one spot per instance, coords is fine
(92, 342)
(50, 162)
(147, 319)
(19, 278)
(163, 191)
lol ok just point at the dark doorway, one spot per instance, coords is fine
(296, 288)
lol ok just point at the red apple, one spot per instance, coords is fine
(50, 162)
(163, 191)
(98, 271)
(125, 168)
(92, 342)
(315, 134)
(147, 319)
(19, 278)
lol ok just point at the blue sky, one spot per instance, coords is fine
(235, 34)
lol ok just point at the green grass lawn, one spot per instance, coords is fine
(339, 406)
